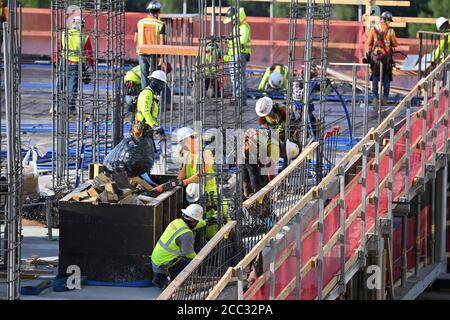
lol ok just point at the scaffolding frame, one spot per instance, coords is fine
(98, 124)
(11, 158)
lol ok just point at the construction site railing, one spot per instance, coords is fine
(433, 49)
(205, 270)
(394, 159)
(266, 207)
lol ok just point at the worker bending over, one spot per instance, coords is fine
(150, 31)
(175, 248)
(76, 41)
(381, 43)
(238, 52)
(132, 82)
(443, 49)
(146, 119)
(189, 177)
(275, 77)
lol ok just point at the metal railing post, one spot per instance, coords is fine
(342, 218)
(363, 201)
(320, 228)
(354, 84)
(240, 283)
(298, 252)
(273, 257)
(366, 101)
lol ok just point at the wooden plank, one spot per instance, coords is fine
(92, 192)
(128, 199)
(191, 51)
(79, 196)
(282, 176)
(139, 181)
(217, 10)
(199, 258)
(223, 282)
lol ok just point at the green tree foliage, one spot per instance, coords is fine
(36, 3)
(344, 12)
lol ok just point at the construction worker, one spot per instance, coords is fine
(238, 53)
(76, 40)
(271, 116)
(147, 106)
(381, 43)
(275, 77)
(442, 26)
(150, 31)
(175, 249)
(132, 82)
(190, 178)
(213, 56)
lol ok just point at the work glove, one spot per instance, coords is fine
(158, 130)
(172, 184)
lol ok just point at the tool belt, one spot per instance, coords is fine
(141, 129)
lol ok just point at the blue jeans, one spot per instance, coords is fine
(386, 84)
(234, 77)
(147, 64)
(72, 83)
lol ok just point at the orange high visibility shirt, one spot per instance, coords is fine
(149, 31)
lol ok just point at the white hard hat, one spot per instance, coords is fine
(159, 75)
(77, 22)
(276, 80)
(154, 6)
(194, 211)
(184, 133)
(292, 150)
(263, 106)
(193, 192)
(440, 22)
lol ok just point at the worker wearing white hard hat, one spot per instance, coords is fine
(271, 115)
(189, 177)
(147, 105)
(275, 77)
(442, 25)
(292, 150)
(76, 46)
(175, 249)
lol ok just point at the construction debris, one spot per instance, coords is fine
(114, 188)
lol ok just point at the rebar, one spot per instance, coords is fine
(11, 164)
(98, 124)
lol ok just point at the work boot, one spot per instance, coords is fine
(375, 102)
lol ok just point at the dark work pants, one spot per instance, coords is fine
(148, 64)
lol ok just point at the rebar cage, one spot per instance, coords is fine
(11, 164)
(96, 124)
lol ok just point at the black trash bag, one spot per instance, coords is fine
(133, 156)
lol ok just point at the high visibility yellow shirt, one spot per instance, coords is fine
(244, 41)
(149, 32)
(269, 70)
(440, 50)
(147, 107)
(73, 43)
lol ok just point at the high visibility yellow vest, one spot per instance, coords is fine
(244, 31)
(148, 32)
(166, 249)
(147, 107)
(134, 75)
(74, 47)
(191, 170)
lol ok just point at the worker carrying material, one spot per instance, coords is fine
(132, 81)
(275, 77)
(147, 105)
(175, 249)
(150, 31)
(381, 43)
(444, 46)
(238, 53)
(72, 44)
(271, 116)
(189, 177)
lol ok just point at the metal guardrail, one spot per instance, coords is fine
(384, 164)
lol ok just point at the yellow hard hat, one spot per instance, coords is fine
(232, 12)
